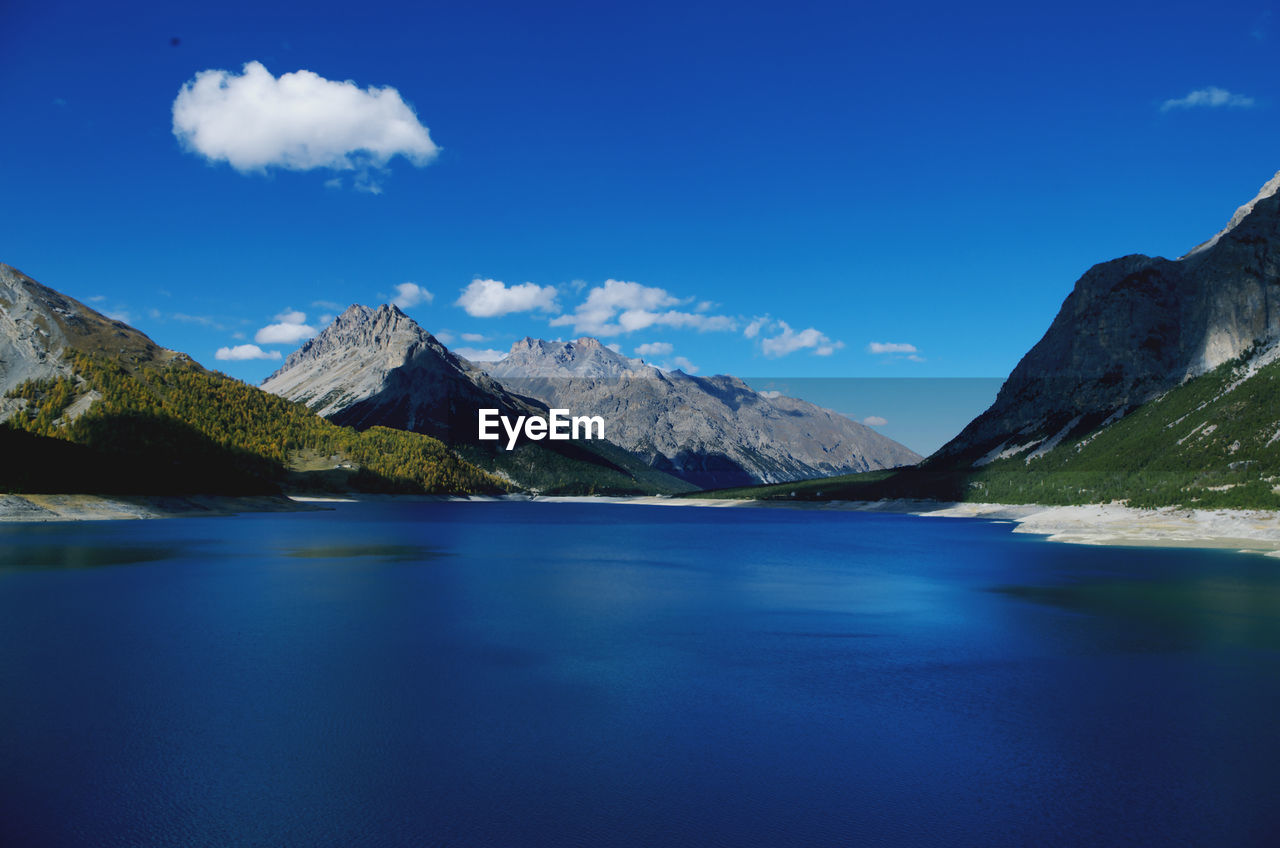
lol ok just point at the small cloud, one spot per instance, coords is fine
(789, 341)
(474, 338)
(326, 318)
(327, 304)
(245, 351)
(411, 294)
(299, 121)
(891, 347)
(760, 322)
(874, 421)
(444, 337)
(655, 349)
(97, 298)
(120, 315)
(615, 347)
(770, 394)
(685, 365)
(493, 298)
(1211, 98)
(202, 320)
(481, 355)
(624, 307)
(290, 328)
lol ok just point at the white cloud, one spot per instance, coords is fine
(97, 298)
(789, 341)
(327, 304)
(474, 338)
(891, 347)
(1211, 98)
(119, 315)
(615, 347)
(771, 394)
(874, 421)
(245, 351)
(411, 294)
(493, 298)
(444, 337)
(757, 324)
(290, 328)
(623, 307)
(480, 355)
(299, 121)
(685, 365)
(655, 349)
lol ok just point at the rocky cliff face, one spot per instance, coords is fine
(1134, 328)
(41, 329)
(378, 366)
(711, 431)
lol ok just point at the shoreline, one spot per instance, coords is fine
(1114, 525)
(1247, 531)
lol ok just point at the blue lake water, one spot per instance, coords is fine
(515, 674)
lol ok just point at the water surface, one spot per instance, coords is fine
(594, 674)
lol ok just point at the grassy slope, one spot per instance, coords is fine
(1211, 442)
(173, 427)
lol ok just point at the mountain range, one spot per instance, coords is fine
(712, 431)
(378, 366)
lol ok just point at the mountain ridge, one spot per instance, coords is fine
(713, 431)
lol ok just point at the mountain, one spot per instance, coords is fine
(1132, 329)
(379, 367)
(710, 431)
(92, 405)
(1157, 384)
(41, 330)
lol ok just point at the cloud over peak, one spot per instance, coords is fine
(298, 121)
(411, 294)
(290, 328)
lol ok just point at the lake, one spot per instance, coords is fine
(508, 674)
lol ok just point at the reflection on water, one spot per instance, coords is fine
(1203, 612)
(83, 556)
(394, 553)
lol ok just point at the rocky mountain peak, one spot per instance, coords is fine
(584, 357)
(1135, 327)
(1269, 189)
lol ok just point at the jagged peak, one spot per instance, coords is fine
(1268, 189)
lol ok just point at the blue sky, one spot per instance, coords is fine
(790, 190)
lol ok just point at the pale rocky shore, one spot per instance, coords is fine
(115, 508)
(1253, 531)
